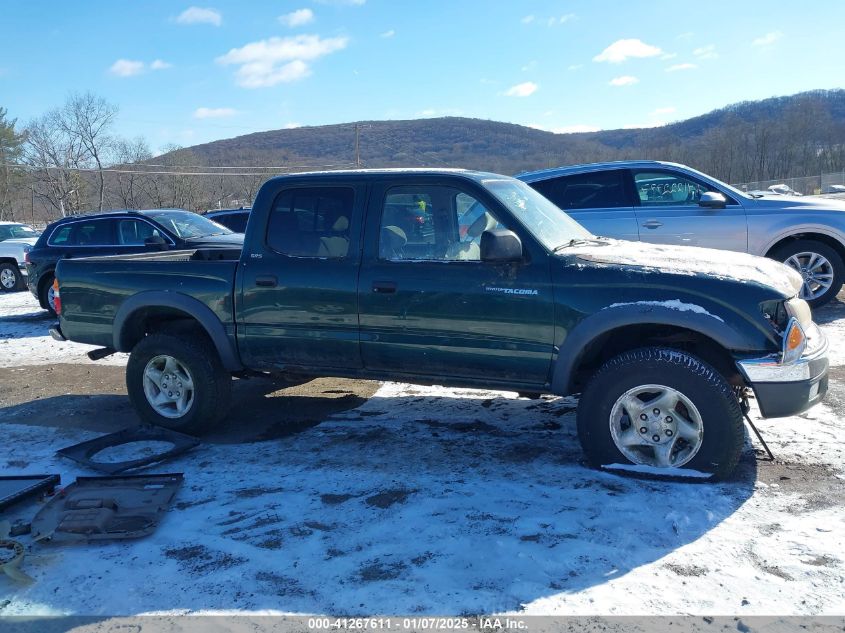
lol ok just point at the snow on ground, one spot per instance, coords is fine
(24, 339)
(427, 500)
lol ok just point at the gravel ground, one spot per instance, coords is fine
(352, 497)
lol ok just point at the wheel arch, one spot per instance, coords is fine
(613, 331)
(160, 309)
(814, 235)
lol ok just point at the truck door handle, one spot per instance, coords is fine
(652, 224)
(268, 281)
(384, 287)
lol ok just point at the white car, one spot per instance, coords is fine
(16, 240)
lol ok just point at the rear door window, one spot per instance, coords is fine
(594, 190)
(85, 233)
(311, 222)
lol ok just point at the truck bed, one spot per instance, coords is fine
(93, 289)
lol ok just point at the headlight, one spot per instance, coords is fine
(794, 342)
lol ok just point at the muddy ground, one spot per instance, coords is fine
(93, 398)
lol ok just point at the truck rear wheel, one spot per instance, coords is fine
(659, 410)
(178, 382)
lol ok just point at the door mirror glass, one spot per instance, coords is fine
(712, 200)
(500, 245)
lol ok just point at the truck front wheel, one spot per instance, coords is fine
(656, 410)
(178, 382)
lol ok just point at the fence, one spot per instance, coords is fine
(807, 185)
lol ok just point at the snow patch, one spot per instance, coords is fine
(643, 469)
(672, 304)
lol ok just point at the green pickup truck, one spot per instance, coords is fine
(465, 279)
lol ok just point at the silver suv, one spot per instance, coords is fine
(667, 203)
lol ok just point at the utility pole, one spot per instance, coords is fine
(357, 145)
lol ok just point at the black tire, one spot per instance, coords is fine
(721, 418)
(783, 253)
(43, 291)
(212, 384)
(10, 271)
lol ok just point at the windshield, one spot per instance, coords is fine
(546, 222)
(730, 188)
(16, 231)
(187, 225)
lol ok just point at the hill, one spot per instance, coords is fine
(773, 138)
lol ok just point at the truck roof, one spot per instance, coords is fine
(389, 171)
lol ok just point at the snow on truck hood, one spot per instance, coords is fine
(693, 260)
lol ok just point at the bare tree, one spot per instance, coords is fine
(54, 157)
(88, 118)
(10, 150)
(131, 186)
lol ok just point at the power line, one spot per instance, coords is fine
(169, 173)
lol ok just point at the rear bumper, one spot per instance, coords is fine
(784, 390)
(56, 332)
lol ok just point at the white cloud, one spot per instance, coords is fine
(522, 90)
(668, 56)
(554, 21)
(132, 67)
(528, 19)
(291, 126)
(388, 34)
(296, 18)
(621, 50)
(666, 110)
(706, 52)
(279, 60)
(768, 39)
(427, 112)
(625, 80)
(677, 67)
(214, 113)
(200, 15)
(126, 68)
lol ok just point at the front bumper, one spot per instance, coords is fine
(784, 390)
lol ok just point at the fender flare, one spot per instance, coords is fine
(792, 232)
(207, 319)
(582, 335)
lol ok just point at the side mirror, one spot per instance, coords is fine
(712, 200)
(500, 245)
(156, 242)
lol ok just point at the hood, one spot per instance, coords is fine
(228, 239)
(794, 203)
(21, 240)
(692, 260)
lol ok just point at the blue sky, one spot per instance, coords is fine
(186, 74)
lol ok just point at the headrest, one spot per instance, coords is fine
(341, 224)
(396, 235)
(485, 222)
